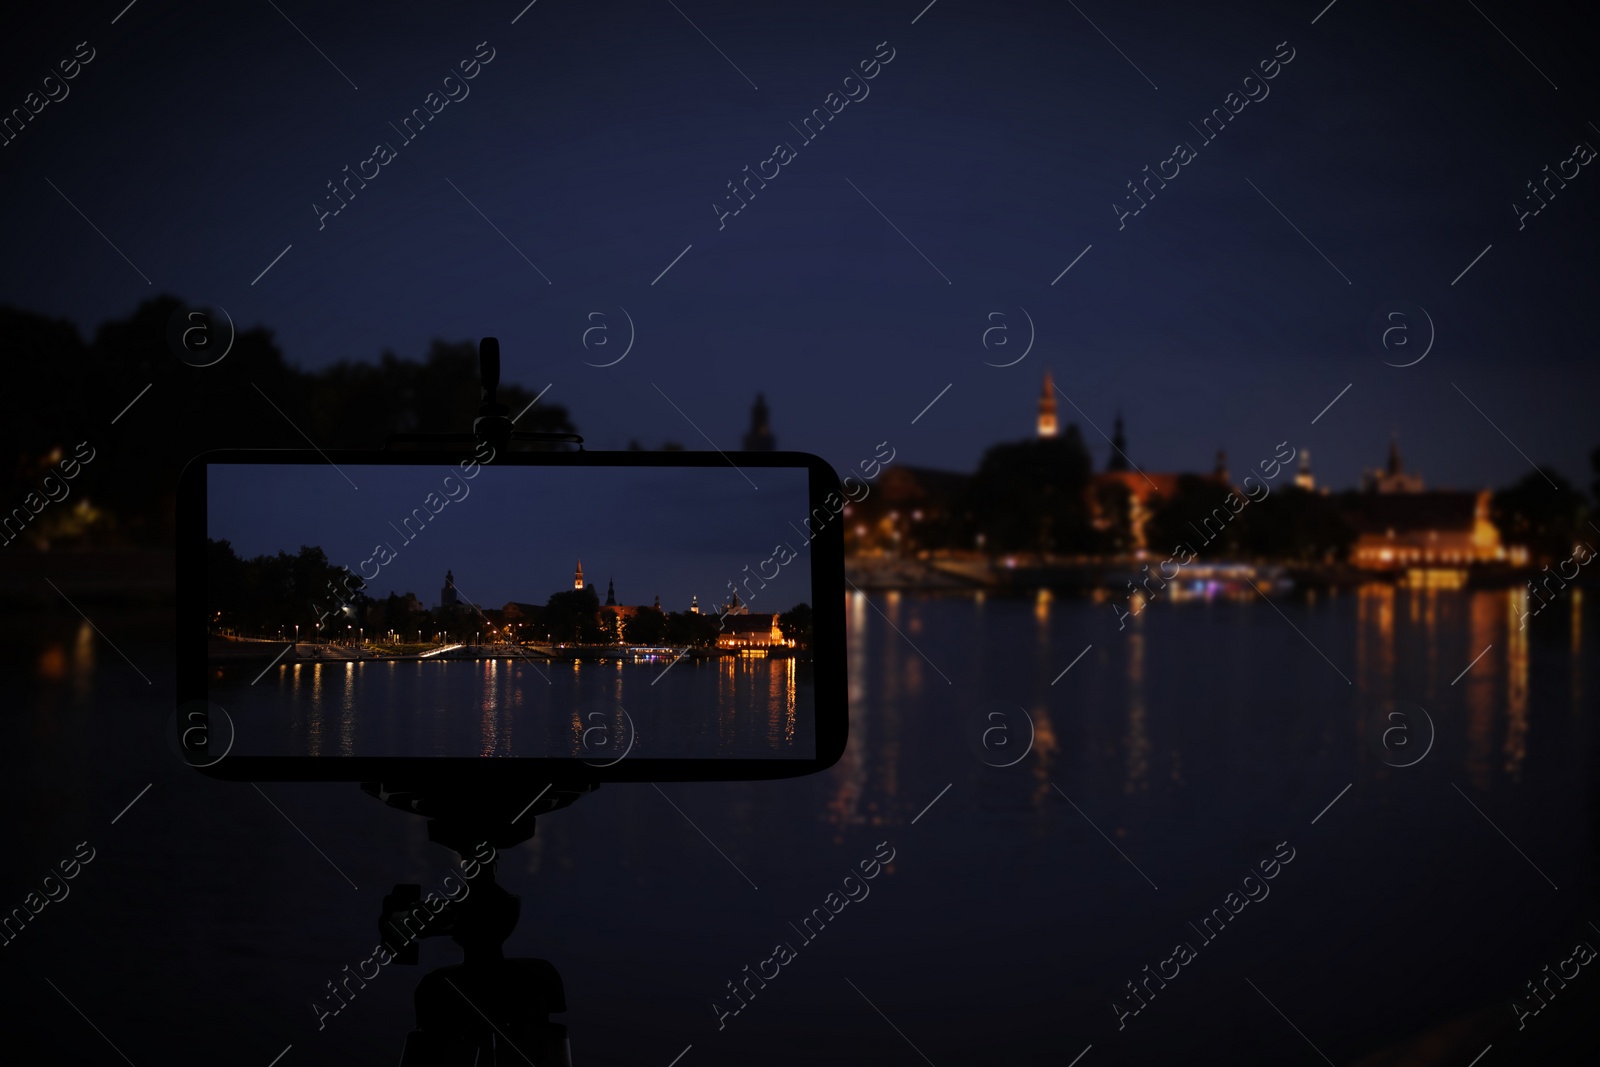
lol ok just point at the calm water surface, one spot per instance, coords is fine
(1165, 764)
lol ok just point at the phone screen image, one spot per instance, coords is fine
(430, 610)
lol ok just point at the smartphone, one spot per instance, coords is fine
(454, 614)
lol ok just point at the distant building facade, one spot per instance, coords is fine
(741, 632)
(1401, 525)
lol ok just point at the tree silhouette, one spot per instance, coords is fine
(573, 615)
(1546, 515)
(1031, 496)
(70, 391)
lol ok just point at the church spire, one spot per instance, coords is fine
(1047, 407)
(611, 594)
(577, 581)
(1119, 447)
(759, 437)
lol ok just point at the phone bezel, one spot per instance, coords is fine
(828, 628)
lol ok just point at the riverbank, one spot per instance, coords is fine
(242, 651)
(1084, 575)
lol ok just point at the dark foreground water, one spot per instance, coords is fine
(728, 707)
(1167, 764)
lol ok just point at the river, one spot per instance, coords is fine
(1065, 802)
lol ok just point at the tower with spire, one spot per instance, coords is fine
(611, 594)
(1047, 407)
(447, 596)
(577, 580)
(759, 437)
(1393, 478)
(1119, 447)
(1303, 479)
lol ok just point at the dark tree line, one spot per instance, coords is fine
(1030, 496)
(66, 390)
(1544, 512)
(260, 596)
(1289, 524)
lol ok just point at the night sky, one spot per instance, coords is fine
(985, 159)
(516, 533)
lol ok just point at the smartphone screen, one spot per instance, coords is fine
(607, 609)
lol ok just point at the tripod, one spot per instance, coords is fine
(487, 1011)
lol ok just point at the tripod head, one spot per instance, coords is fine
(465, 821)
(495, 423)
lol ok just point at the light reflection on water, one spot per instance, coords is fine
(1243, 730)
(732, 706)
(1198, 686)
(1158, 699)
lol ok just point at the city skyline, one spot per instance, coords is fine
(1207, 318)
(674, 532)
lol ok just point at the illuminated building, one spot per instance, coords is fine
(577, 581)
(1402, 527)
(1303, 478)
(1441, 527)
(742, 632)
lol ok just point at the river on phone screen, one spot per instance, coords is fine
(524, 705)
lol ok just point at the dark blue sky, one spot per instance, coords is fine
(995, 141)
(516, 533)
